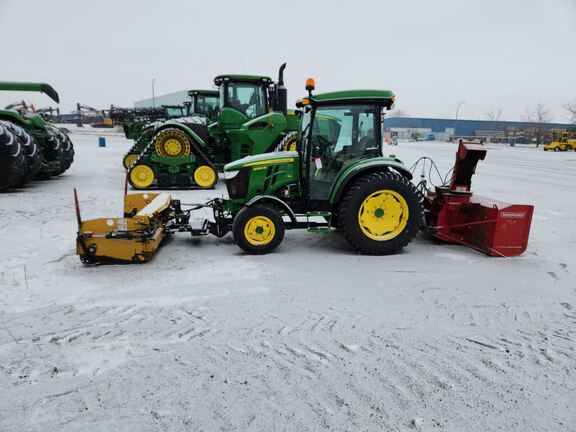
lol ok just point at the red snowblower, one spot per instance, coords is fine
(453, 214)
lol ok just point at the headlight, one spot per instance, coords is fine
(230, 174)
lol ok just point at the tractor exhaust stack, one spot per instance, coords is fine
(454, 215)
(281, 92)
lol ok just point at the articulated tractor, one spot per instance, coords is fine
(30, 147)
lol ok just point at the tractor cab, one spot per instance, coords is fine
(338, 131)
(204, 103)
(253, 116)
(242, 98)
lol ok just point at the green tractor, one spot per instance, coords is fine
(253, 119)
(203, 104)
(30, 147)
(338, 178)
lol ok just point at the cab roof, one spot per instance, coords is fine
(384, 96)
(203, 92)
(247, 78)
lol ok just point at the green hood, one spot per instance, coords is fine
(264, 159)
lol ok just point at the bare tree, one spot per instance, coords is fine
(571, 108)
(538, 116)
(494, 117)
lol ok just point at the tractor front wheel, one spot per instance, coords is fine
(380, 213)
(258, 229)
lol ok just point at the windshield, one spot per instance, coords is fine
(207, 105)
(248, 98)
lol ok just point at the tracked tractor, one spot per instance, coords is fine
(203, 105)
(30, 147)
(252, 119)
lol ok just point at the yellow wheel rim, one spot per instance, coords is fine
(204, 176)
(291, 144)
(129, 160)
(259, 231)
(172, 143)
(383, 215)
(142, 176)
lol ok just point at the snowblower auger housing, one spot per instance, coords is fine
(454, 215)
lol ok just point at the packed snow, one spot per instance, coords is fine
(312, 337)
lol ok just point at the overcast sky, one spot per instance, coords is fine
(493, 54)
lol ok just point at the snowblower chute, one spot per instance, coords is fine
(454, 215)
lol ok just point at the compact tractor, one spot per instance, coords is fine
(30, 147)
(252, 119)
(337, 178)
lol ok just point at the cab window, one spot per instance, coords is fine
(247, 98)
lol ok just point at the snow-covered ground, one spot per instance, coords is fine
(313, 337)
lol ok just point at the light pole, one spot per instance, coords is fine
(153, 97)
(456, 119)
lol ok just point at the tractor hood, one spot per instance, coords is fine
(33, 87)
(262, 160)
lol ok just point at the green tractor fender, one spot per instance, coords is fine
(274, 201)
(364, 167)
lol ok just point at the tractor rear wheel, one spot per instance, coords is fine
(258, 229)
(30, 149)
(289, 142)
(12, 158)
(380, 213)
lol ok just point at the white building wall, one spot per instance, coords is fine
(175, 98)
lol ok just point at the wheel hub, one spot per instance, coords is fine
(259, 230)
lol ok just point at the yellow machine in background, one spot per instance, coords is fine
(561, 141)
(132, 238)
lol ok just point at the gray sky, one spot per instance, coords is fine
(493, 54)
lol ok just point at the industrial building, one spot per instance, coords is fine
(175, 98)
(431, 129)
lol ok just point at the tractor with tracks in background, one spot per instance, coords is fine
(30, 147)
(253, 119)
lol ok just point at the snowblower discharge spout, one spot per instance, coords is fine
(454, 215)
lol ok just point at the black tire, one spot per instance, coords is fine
(351, 204)
(556, 149)
(183, 181)
(270, 218)
(13, 166)
(289, 142)
(62, 149)
(163, 181)
(31, 150)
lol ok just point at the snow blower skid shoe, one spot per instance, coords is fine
(133, 238)
(454, 215)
